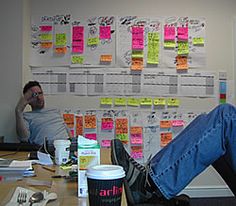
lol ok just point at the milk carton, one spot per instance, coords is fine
(88, 155)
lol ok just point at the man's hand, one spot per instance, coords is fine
(24, 100)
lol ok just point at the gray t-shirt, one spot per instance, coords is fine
(45, 123)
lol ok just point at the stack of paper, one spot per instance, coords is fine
(14, 169)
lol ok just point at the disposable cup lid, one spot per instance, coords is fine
(105, 172)
(61, 142)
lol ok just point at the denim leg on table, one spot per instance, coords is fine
(202, 142)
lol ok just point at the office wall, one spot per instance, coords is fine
(14, 54)
(219, 48)
(219, 32)
(11, 22)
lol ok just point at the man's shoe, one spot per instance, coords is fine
(136, 184)
(136, 175)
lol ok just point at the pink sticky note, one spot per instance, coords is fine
(136, 155)
(106, 143)
(77, 33)
(182, 33)
(107, 124)
(177, 123)
(78, 46)
(169, 33)
(92, 136)
(45, 28)
(136, 138)
(137, 38)
(105, 32)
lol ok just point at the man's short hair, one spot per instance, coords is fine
(31, 84)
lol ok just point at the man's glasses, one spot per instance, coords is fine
(35, 94)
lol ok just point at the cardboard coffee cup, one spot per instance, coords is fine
(105, 185)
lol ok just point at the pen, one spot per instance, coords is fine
(48, 168)
(58, 176)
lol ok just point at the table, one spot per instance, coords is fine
(66, 189)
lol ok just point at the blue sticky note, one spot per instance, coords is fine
(222, 87)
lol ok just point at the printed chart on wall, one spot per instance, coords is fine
(61, 40)
(119, 81)
(184, 42)
(138, 42)
(93, 42)
(50, 40)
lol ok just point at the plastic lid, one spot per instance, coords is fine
(85, 142)
(61, 142)
(105, 172)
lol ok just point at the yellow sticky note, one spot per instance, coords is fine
(153, 48)
(146, 101)
(133, 102)
(106, 101)
(77, 59)
(137, 54)
(173, 102)
(120, 101)
(60, 39)
(169, 44)
(183, 48)
(159, 101)
(198, 41)
(45, 37)
(93, 41)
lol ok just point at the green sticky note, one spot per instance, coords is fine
(159, 101)
(106, 101)
(198, 41)
(137, 54)
(169, 44)
(153, 48)
(120, 101)
(173, 102)
(77, 59)
(183, 48)
(93, 41)
(45, 37)
(146, 101)
(123, 137)
(133, 102)
(60, 39)
(222, 101)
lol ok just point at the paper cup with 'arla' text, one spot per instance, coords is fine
(105, 185)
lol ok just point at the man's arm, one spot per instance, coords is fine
(21, 129)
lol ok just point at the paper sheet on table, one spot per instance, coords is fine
(13, 200)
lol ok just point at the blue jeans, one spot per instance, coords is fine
(203, 141)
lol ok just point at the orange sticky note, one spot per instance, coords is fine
(69, 120)
(181, 62)
(136, 130)
(165, 138)
(106, 58)
(165, 124)
(121, 126)
(79, 125)
(137, 64)
(90, 121)
(60, 50)
(46, 45)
